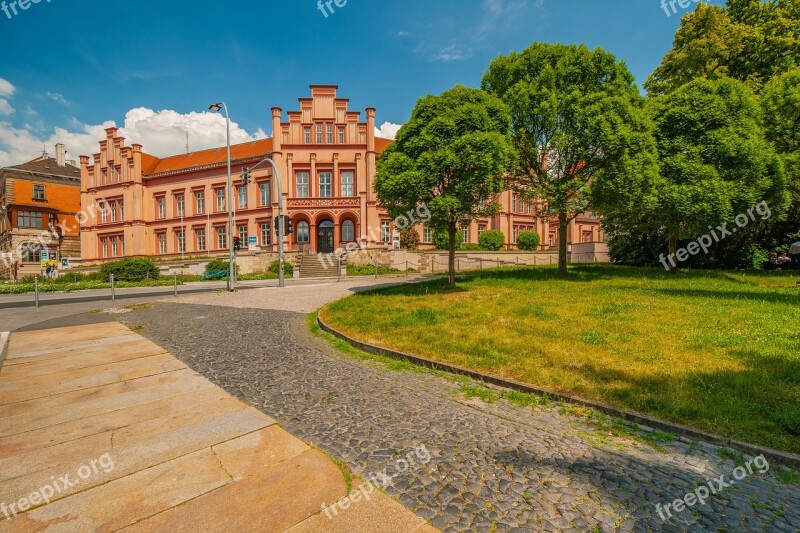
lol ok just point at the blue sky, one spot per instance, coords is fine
(70, 67)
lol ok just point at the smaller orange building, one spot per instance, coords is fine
(39, 205)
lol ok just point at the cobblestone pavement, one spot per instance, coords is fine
(493, 466)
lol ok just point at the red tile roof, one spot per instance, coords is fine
(382, 144)
(48, 165)
(154, 165)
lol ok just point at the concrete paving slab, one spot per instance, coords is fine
(25, 341)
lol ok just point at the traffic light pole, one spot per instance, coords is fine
(268, 159)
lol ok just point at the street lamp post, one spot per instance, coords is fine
(280, 228)
(231, 267)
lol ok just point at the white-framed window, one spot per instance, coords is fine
(105, 178)
(481, 229)
(104, 241)
(263, 189)
(38, 192)
(220, 199)
(266, 234)
(161, 202)
(103, 211)
(111, 171)
(162, 243)
(113, 208)
(465, 232)
(325, 184)
(348, 231)
(222, 240)
(242, 197)
(308, 135)
(330, 134)
(302, 184)
(302, 233)
(552, 239)
(180, 202)
(348, 184)
(513, 203)
(243, 235)
(341, 135)
(181, 234)
(319, 133)
(114, 247)
(122, 210)
(514, 232)
(199, 202)
(201, 239)
(386, 231)
(428, 234)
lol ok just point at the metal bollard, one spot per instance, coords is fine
(376, 268)
(406, 268)
(36, 291)
(113, 291)
(339, 272)
(175, 283)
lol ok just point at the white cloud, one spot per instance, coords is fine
(57, 98)
(161, 133)
(6, 89)
(5, 107)
(388, 130)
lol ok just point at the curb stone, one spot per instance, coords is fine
(680, 430)
(4, 337)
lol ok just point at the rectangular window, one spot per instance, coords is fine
(162, 243)
(114, 247)
(348, 184)
(386, 231)
(243, 235)
(324, 184)
(112, 206)
(552, 239)
(242, 197)
(330, 134)
(308, 135)
(122, 211)
(200, 202)
(38, 192)
(302, 233)
(587, 236)
(513, 203)
(221, 200)
(162, 207)
(341, 135)
(29, 219)
(319, 133)
(266, 234)
(514, 234)
(119, 174)
(111, 171)
(201, 239)
(104, 209)
(302, 184)
(105, 178)
(181, 205)
(105, 247)
(263, 189)
(465, 232)
(222, 241)
(428, 236)
(181, 235)
(481, 229)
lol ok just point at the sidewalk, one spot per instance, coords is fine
(115, 433)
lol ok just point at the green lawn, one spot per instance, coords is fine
(719, 351)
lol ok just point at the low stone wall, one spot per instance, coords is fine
(437, 261)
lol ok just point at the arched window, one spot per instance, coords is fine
(348, 231)
(302, 233)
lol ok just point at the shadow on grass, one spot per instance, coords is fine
(783, 298)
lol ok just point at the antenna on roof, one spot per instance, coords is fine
(187, 141)
(44, 150)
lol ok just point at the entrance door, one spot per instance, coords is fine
(325, 237)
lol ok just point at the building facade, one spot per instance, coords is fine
(177, 206)
(39, 205)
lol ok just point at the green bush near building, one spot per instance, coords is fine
(528, 241)
(492, 240)
(132, 269)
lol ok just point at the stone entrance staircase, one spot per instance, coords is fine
(312, 267)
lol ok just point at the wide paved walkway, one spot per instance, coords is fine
(492, 466)
(103, 430)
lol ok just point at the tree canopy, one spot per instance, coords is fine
(452, 155)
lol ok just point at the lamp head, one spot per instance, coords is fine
(215, 107)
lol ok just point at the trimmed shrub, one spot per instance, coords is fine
(469, 247)
(221, 264)
(409, 239)
(288, 268)
(441, 240)
(528, 241)
(492, 240)
(132, 269)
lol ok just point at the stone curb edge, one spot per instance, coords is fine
(5, 336)
(777, 456)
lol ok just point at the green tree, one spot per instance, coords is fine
(409, 239)
(748, 40)
(528, 241)
(583, 138)
(715, 161)
(492, 240)
(441, 240)
(780, 102)
(452, 155)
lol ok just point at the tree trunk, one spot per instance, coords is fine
(452, 252)
(562, 244)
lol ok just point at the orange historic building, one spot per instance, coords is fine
(326, 155)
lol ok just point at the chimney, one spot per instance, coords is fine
(61, 154)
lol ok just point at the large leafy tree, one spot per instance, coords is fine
(581, 131)
(780, 101)
(748, 40)
(452, 155)
(715, 161)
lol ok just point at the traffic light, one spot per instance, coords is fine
(288, 225)
(237, 244)
(278, 226)
(283, 227)
(246, 178)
